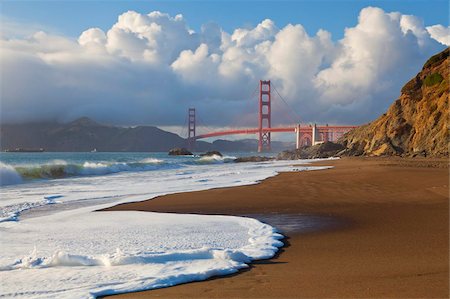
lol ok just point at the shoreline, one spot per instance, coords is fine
(398, 209)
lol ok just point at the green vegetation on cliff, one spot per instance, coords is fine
(433, 79)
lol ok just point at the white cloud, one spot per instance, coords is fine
(264, 31)
(416, 27)
(196, 67)
(440, 33)
(376, 57)
(92, 36)
(149, 68)
(155, 37)
(295, 58)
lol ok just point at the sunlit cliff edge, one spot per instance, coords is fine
(416, 123)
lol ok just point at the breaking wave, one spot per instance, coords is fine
(58, 169)
(61, 169)
(214, 159)
(8, 175)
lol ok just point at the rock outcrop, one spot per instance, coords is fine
(253, 159)
(324, 150)
(179, 152)
(415, 124)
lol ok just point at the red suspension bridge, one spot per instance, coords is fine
(305, 134)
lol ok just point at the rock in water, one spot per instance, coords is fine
(253, 159)
(415, 124)
(179, 152)
(212, 153)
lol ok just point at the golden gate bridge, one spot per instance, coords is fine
(305, 134)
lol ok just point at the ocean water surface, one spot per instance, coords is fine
(53, 244)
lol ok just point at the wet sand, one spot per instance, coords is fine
(390, 238)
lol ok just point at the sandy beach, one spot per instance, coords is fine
(390, 238)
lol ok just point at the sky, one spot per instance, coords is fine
(72, 17)
(147, 62)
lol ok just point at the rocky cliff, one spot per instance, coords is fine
(416, 123)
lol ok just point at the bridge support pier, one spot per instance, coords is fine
(314, 135)
(298, 139)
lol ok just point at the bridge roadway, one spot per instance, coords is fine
(303, 129)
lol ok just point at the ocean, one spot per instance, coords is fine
(53, 244)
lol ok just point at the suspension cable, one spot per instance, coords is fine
(290, 108)
(184, 128)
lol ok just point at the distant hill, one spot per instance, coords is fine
(416, 123)
(84, 135)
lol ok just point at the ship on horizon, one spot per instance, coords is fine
(25, 150)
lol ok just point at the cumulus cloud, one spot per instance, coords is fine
(375, 58)
(192, 66)
(149, 68)
(440, 33)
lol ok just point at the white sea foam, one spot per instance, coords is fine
(92, 168)
(12, 212)
(61, 248)
(58, 162)
(215, 159)
(152, 161)
(80, 255)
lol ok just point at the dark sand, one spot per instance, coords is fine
(394, 241)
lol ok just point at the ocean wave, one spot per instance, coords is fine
(151, 161)
(62, 169)
(214, 159)
(8, 175)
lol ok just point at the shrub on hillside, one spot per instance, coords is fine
(433, 79)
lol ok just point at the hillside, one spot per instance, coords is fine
(85, 134)
(416, 123)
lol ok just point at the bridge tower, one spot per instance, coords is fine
(264, 116)
(191, 129)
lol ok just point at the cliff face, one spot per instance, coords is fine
(416, 123)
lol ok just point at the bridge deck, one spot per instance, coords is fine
(306, 129)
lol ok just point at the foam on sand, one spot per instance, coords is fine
(142, 251)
